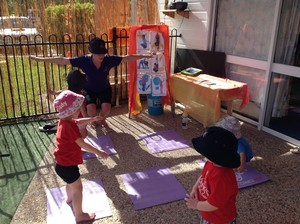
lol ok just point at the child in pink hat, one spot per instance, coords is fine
(68, 154)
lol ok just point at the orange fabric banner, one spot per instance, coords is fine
(134, 104)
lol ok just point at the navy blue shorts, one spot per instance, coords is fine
(68, 173)
(104, 96)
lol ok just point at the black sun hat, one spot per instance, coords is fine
(97, 46)
(219, 146)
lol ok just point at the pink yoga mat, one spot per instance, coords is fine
(94, 200)
(152, 187)
(104, 142)
(164, 141)
(249, 177)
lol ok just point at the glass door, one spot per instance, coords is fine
(283, 102)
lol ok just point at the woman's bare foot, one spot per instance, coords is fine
(104, 123)
(85, 217)
(95, 124)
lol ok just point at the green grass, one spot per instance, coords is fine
(27, 147)
(24, 84)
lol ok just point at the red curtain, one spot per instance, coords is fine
(134, 104)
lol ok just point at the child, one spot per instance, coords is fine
(244, 149)
(214, 193)
(68, 153)
(76, 81)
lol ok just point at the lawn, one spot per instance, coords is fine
(24, 85)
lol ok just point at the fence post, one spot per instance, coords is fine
(114, 43)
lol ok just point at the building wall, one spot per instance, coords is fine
(195, 30)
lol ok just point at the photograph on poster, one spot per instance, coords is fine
(159, 85)
(144, 83)
(143, 64)
(158, 64)
(157, 42)
(142, 40)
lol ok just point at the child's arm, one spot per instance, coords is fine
(90, 148)
(53, 92)
(194, 203)
(243, 162)
(87, 120)
(194, 193)
(83, 111)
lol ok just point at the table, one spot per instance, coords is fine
(202, 95)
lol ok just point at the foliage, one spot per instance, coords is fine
(70, 19)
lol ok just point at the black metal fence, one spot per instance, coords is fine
(25, 85)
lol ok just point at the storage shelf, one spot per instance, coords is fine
(171, 13)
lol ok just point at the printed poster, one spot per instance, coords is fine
(159, 85)
(144, 83)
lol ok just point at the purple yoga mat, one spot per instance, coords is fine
(94, 201)
(249, 177)
(152, 187)
(164, 141)
(103, 141)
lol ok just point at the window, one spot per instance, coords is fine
(244, 27)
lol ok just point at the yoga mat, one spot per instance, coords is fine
(249, 177)
(164, 141)
(152, 187)
(103, 142)
(94, 201)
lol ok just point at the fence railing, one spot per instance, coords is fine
(25, 84)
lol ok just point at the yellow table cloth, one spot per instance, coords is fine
(202, 95)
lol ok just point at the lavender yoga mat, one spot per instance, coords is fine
(152, 187)
(94, 200)
(164, 141)
(104, 142)
(249, 177)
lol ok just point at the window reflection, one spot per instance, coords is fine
(288, 41)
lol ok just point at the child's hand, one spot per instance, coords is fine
(191, 202)
(240, 169)
(102, 154)
(34, 58)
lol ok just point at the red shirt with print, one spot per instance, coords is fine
(67, 152)
(219, 187)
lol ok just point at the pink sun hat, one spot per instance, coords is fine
(67, 103)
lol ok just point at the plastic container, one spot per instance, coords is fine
(185, 120)
(155, 106)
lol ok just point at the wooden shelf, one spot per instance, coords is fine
(171, 12)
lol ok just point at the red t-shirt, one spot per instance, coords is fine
(219, 187)
(67, 152)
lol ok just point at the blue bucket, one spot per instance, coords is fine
(155, 106)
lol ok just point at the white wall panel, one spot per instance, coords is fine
(195, 29)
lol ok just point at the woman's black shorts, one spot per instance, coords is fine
(104, 96)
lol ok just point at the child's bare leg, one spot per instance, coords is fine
(77, 202)
(69, 194)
